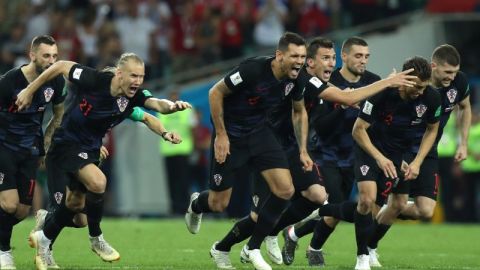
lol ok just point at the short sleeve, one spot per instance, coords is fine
(463, 86)
(84, 77)
(243, 76)
(140, 97)
(370, 107)
(60, 91)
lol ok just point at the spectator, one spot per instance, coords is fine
(270, 19)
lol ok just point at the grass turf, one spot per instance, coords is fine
(166, 244)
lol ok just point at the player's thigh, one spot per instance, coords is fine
(428, 180)
(333, 183)
(26, 179)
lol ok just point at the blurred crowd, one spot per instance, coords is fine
(193, 32)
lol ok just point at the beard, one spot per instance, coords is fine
(355, 72)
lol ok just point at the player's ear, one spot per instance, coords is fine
(310, 63)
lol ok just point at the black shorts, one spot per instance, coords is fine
(63, 162)
(301, 179)
(338, 182)
(427, 181)
(259, 149)
(366, 169)
(18, 171)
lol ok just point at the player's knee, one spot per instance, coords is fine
(426, 213)
(218, 204)
(75, 204)
(285, 193)
(398, 205)
(10, 206)
(365, 204)
(98, 184)
(316, 195)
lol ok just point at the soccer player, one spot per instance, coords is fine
(239, 104)
(104, 99)
(22, 142)
(383, 132)
(308, 185)
(57, 187)
(452, 85)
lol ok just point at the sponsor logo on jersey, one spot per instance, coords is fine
(76, 73)
(364, 169)
(451, 95)
(367, 108)
(236, 78)
(58, 197)
(83, 155)
(2, 176)
(420, 109)
(288, 88)
(122, 103)
(218, 179)
(255, 200)
(48, 93)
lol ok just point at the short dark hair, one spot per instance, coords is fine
(290, 38)
(318, 42)
(421, 66)
(45, 39)
(446, 53)
(349, 42)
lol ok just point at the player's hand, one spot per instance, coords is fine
(461, 153)
(103, 153)
(404, 167)
(387, 167)
(412, 171)
(306, 161)
(24, 99)
(41, 163)
(172, 137)
(180, 106)
(222, 148)
(402, 78)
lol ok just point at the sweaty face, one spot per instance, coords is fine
(292, 60)
(131, 77)
(443, 74)
(44, 56)
(356, 59)
(417, 90)
(324, 63)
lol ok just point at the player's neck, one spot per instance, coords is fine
(115, 87)
(436, 84)
(276, 70)
(30, 72)
(349, 76)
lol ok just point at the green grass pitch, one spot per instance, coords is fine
(166, 244)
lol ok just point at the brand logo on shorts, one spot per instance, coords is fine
(255, 200)
(288, 88)
(48, 93)
(58, 197)
(364, 169)
(451, 95)
(2, 175)
(83, 155)
(421, 109)
(122, 103)
(218, 179)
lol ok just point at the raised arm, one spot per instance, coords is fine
(360, 135)
(24, 98)
(215, 97)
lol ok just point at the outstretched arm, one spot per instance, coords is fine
(166, 106)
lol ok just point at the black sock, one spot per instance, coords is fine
(342, 211)
(240, 231)
(379, 232)
(94, 206)
(305, 228)
(363, 226)
(200, 204)
(405, 217)
(267, 219)
(56, 223)
(7, 221)
(299, 209)
(320, 234)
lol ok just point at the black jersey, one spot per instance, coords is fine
(450, 96)
(22, 131)
(94, 110)
(333, 143)
(394, 120)
(280, 118)
(255, 92)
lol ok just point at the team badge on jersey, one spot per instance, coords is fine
(288, 88)
(451, 95)
(420, 109)
(364, 169)
(255, 200)
(218, 179)
(2, 175)
(58, 197)
(83, 155)
(122, 103)
(48, 93)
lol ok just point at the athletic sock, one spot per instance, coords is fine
(94, 206)
(379, 232)
(363, 227)
(200, 204)
(299, 209)
(7, 221)
(305, 228)
(320, 234)
(240, 231)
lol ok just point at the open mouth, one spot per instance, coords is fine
(327, 73)
(132, 90)
(296, 70)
